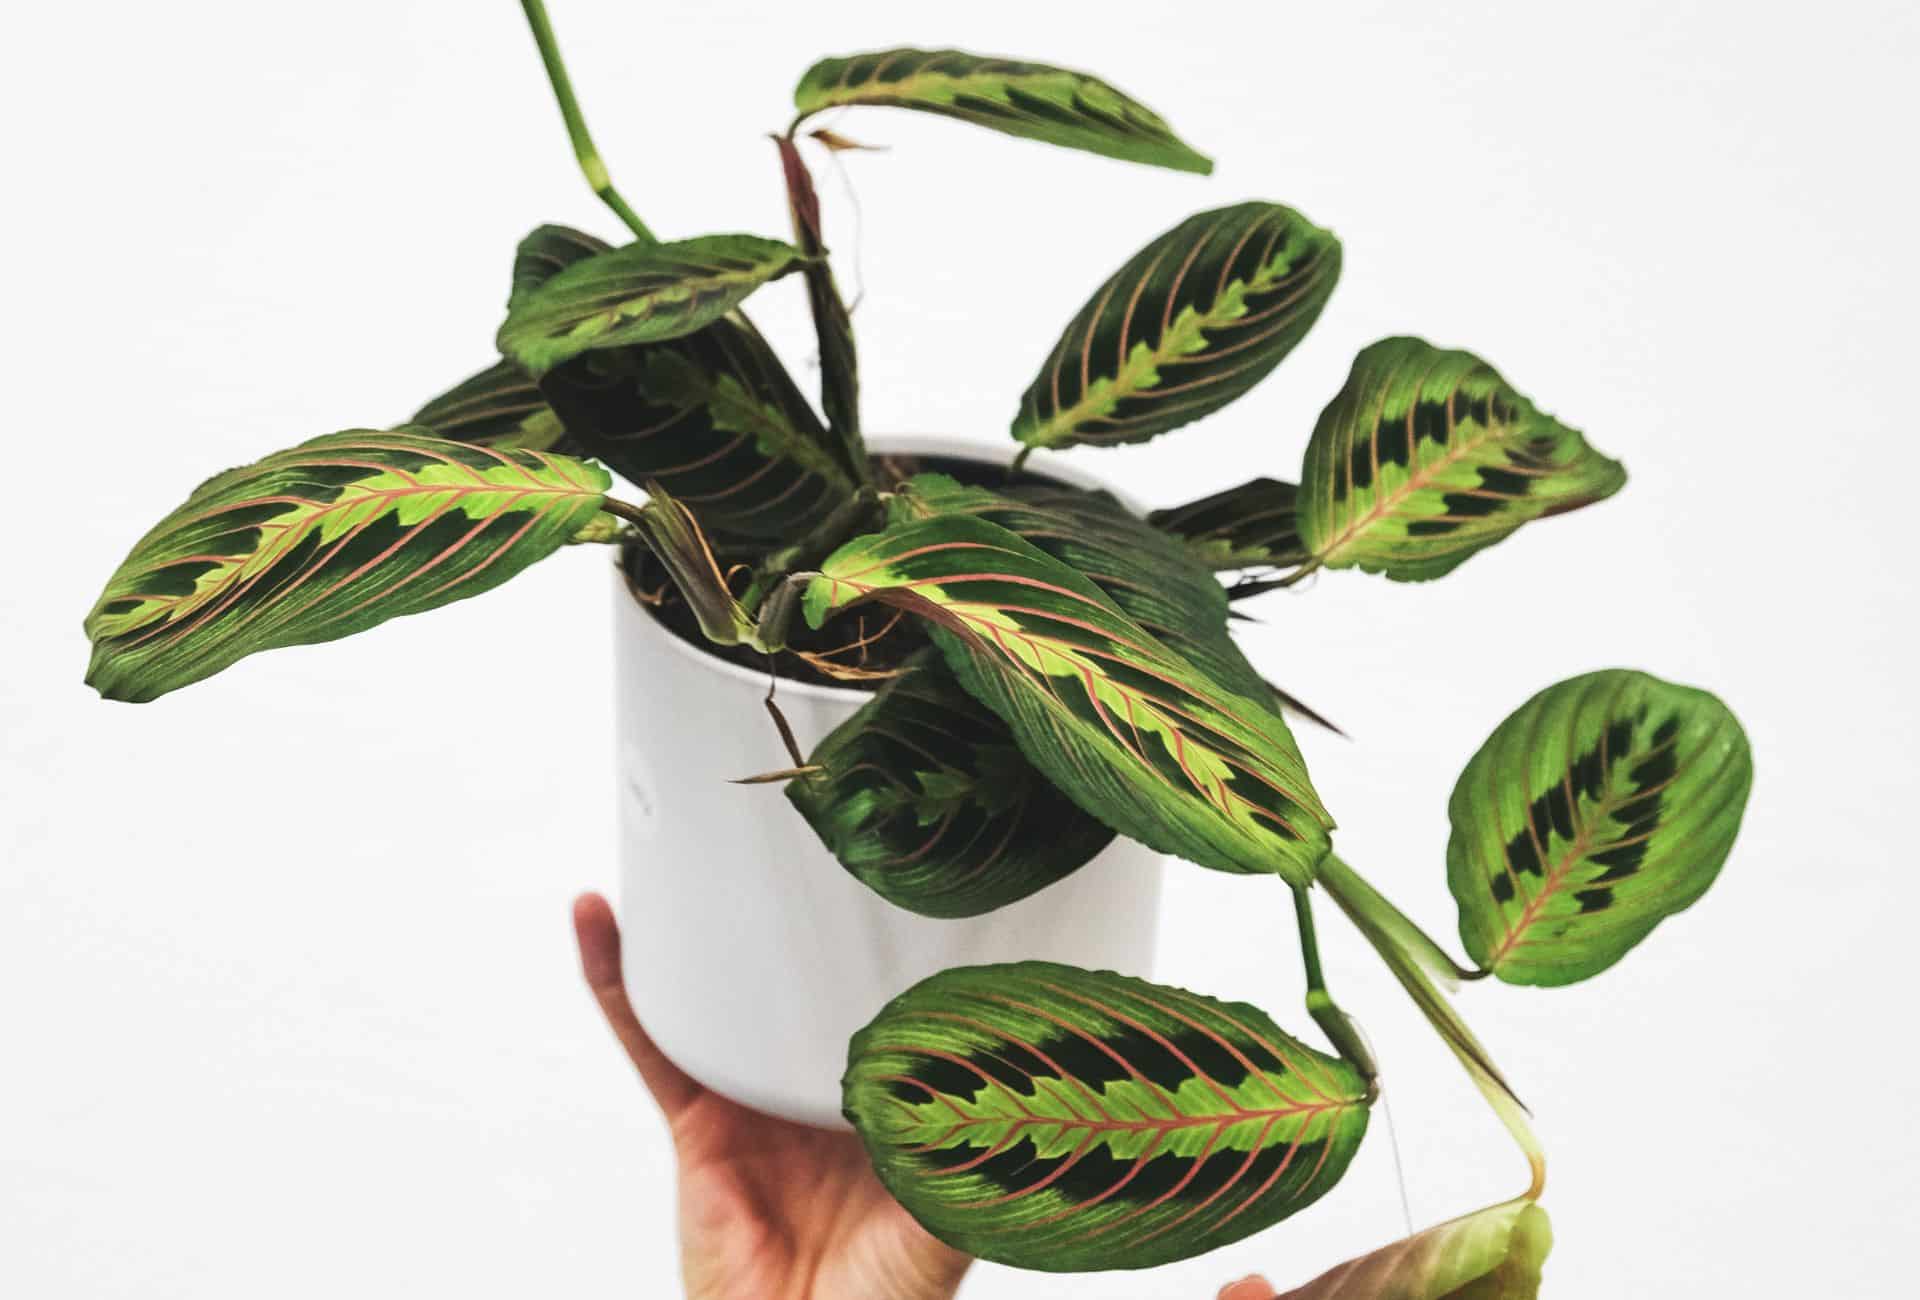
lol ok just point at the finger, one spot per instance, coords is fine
(599, 936)
(1248, 1288)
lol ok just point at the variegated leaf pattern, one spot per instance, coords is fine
(1493, 1254)
(643, 293)
(1601, 806)
(1149, 576)
(499, 407)
(924, 796)
(1194, 320)
(1059, 1119)
(713, 418)
(1250, 526)
(326, 539)
(1032, 100)
(1129, 730)
(1427, 455)
(502, 406)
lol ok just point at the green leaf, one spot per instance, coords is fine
(712, 417)
(1129, 730)
(1492, 1254)
(1150, 577)
(1426, 456)
(1031, 100)
(1053, 1118)
(1194, 320)
(1246, 527)
(642, 293)
(499, 407)
(924, 796)
(1603, 805)
(326, 539)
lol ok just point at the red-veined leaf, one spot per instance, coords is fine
(1131, 731)
(326, 539)
(1053, 1118)
(1033, 100)
(1191, 322)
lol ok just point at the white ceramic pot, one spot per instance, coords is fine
(751, 954)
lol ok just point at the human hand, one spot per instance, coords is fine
(768, 1209)
(1248, 1288)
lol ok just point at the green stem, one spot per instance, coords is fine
(583, 147)
(1333, 1022)
(859, 513)
(1374, 917)
(1352, 892)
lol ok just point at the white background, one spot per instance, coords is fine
(287, 1001)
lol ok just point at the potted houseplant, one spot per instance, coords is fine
(998, 695)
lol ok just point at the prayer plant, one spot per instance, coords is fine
(1052, 670)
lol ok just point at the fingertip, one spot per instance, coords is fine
(599, 938)
(1251, 1287)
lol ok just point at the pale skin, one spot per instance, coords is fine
(769, 1209)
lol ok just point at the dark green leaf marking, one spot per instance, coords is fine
(1193, 321)
(1032, 100)
(1060, 1119)
(924, 796)
(1605, 804)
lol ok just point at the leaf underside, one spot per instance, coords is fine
(1250, 526)
(1427, 456)
(924, 796)
(1031, 100)
(326, 539)
(1129, 730)
(642, 293)
(1060, 1119)
(1603, 805)
(1493, 1254)
(1194, 320)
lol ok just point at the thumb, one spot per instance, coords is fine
(599, 938)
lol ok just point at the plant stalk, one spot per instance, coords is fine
(1333, 1022)
(583, 146)
(1369, 912)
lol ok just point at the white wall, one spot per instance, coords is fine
(287, 1002)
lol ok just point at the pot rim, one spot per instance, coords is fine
(1051, 464)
